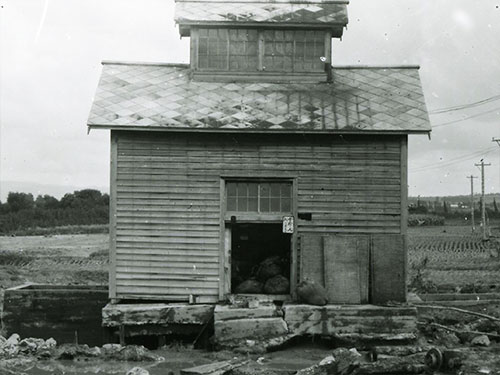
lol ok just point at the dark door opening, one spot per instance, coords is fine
(260, 259)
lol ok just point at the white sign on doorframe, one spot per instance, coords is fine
(288, 224)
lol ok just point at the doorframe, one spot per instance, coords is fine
(225, 231)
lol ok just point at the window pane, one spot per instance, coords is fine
(252, 189)
(242, 189)
(242, 204)
(285, 205)
(275, 205)
(252, 204)
(231, 204)
(264, 190)
(275, 190)
(231, 189)
(286, 190)
(264, 204)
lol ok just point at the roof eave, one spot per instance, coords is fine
(337, 29)
(255, 131)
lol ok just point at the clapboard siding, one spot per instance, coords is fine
(168, 192)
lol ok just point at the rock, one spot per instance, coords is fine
(481, 340)
(30, 345)
(111, 348)
(95, 351)
(327, 360)
(133, 353)
(447, 339)
(137, 371)
(277, 285)
(13, 339)
(250, 287)
(50, 343)
(72, 351)
(311, 293)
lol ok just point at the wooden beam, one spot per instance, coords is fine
(404, 204)
(222, 242)
(112, 214)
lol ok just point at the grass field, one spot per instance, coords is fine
(449, 257)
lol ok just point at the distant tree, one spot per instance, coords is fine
(445, 207)
(20, 201)
(46, 202)
(495, 207)
(83, 198)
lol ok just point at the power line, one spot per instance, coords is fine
(465, 106)
(456, 160)
(466, 118)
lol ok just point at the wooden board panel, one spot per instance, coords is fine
(389, 268)
(169, 189)
(346, 268)
(311, 258)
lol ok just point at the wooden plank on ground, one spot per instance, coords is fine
(217, 368)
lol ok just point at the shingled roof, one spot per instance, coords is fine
(163, 97)
(311, 13)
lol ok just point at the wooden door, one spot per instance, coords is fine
(346, 268)
(389, 268)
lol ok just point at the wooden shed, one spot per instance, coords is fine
(258, 149)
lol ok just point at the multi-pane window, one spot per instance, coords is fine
(227, 49)
(260, 197)
(281, 50)
(293, 50)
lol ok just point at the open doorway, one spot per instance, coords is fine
(260, 259)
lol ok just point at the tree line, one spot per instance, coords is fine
(83, 207)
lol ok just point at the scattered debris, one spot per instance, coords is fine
(137, 371)
(456, 309)
(217, 368)
(481, 340)
(463, 332)
(437, 359)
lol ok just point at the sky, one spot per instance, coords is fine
(50, 63)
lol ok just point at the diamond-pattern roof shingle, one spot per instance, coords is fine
(165, 97)
(270, 11)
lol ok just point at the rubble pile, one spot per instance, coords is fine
(41, 349)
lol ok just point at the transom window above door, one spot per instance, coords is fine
(259, 196)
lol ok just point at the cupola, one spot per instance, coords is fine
(277, 39)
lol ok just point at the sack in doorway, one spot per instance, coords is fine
(311, 293)
(277, 285)
(250, 286)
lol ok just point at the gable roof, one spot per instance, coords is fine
(328, 14)
(163, 97)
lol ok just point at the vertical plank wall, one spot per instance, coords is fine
(168, 193)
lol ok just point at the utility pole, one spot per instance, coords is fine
(497, 140)
(483, 205)
(471, 177)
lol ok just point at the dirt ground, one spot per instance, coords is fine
(60, 259)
